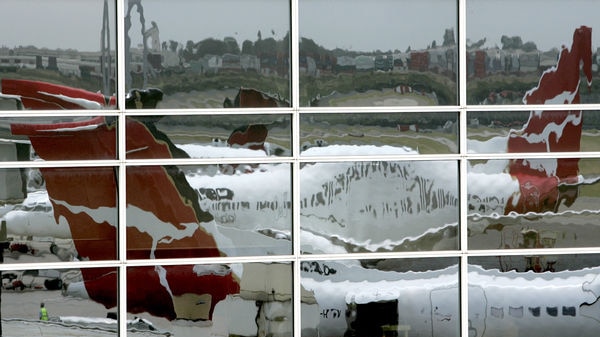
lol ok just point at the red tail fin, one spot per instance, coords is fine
(250, 137)
(163, 218)
(42, 95)
(552, 131)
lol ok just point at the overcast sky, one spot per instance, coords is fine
(349, 24)
(548, 23)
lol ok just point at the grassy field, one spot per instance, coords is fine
(434, 142)
(361, 82)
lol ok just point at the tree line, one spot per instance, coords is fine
(267, 47)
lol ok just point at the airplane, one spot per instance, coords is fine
(351, 300)
(185, 222)
(171, 229)
(32, 216)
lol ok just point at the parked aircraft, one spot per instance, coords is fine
(350, 300)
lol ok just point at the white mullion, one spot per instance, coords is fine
(121, 183)
(464, 248)
(463, 237)
(295, 166)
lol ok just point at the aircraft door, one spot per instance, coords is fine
(477, 311)
(445, 317)
(376, 319)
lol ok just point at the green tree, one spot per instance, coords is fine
(247, 47)
(231, 45)
(514, 42)
(210, 46)
(267, 46)
(529, 46)
(188, 52)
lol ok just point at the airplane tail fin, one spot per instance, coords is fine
(39, 95)
(557, 131)
(251, 136)
(553, 130)
(164, 218)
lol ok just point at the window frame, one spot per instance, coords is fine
(295, 111)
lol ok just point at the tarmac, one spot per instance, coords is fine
(20, 316)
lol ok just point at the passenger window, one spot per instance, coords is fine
(497, 312)
(535, 311)
(515, 311)
(569, 311)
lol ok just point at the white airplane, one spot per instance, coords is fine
(350, 300)
(35, 217)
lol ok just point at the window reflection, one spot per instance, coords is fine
(213, 136)
(47, 215)
(249, 299)
(381, 53)
(208, 211)
(533, 295)
(378, 206)
(58, 137)
(73, 46)
(236, 54)
(505, 61)
(535, 131)
(66, 305)
(386, 134)
(201, 58)
(389, 297)
(511, 205)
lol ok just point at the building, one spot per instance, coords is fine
(388, 212)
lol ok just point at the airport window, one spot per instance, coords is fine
(299, 167)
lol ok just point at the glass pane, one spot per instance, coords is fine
(75, 302)
(59, 214)
(208, 136)
(384, 297)
(378, 53)
(511, 296)
(354, 207)
(58, 138)
(524, 131)
(380, 133)
(531, 61)
(209, 211)
(66, 59)
(216, 48)
(533, 203)
(249, 299)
